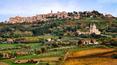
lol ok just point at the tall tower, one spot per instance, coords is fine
(51, 11)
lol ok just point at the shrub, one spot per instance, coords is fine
(31, 61)
(1, 56)
(114, 56)
(38, 51)
(43, 49)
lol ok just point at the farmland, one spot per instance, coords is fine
(58, 51)
(55, 56)
(96, 56)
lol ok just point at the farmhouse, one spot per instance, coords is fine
(6, 55)
(21, 53)
(87, 41)
(9, 40)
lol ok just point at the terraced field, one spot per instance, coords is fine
(86, 55)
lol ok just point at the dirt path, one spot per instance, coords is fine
(48, 59)
(2, 63)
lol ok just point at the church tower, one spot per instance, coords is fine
(51, 11)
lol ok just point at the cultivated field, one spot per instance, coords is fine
(98, 56)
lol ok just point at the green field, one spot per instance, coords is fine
(53, 52)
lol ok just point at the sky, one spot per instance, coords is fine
(11, 8)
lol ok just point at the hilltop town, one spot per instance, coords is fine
(42, 17)
(58, 15)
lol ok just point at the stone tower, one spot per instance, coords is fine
(51, 11)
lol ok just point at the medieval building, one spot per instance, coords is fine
(92, 30)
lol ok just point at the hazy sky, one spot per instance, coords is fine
(10, 8)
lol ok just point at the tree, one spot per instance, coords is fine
(1, 56)
(58, 32)
(43, 49)
(75, 12)
(70, 14)
(5, 35)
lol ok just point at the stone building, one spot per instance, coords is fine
(87, 41)
(92, 30)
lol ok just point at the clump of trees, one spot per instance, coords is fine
(45, 28)
(41, 50)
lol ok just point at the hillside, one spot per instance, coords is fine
(103, 27)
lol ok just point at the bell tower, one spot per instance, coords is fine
(51, 11)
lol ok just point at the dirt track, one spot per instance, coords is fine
(2, 63)
(49, 59)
